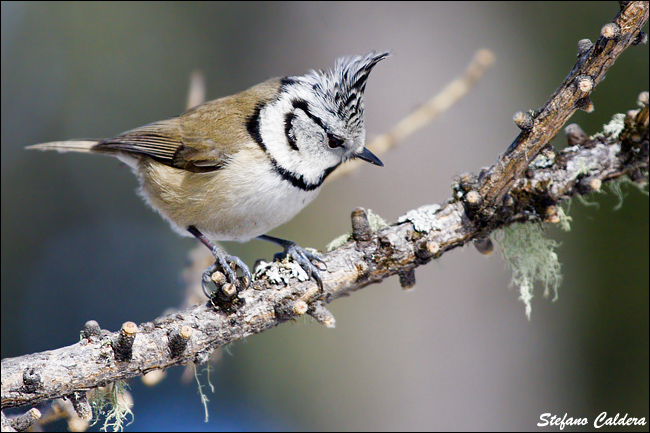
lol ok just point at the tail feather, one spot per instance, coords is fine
(85, 146)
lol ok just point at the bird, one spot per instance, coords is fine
(234, 168)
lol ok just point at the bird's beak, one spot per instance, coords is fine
(367, 155)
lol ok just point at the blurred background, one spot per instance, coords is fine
(455, 353)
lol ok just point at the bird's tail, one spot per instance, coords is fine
(85, 146)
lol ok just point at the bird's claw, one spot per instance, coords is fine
(305, 258)
(227, 265)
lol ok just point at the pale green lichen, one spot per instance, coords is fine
(339, 241)
(565, 220)
(281, 271)
(204, 398)
(542, 161)
(585, 201)
(375, 221)
(114, 403)
(423, 218)
(581, 165)
(532, 258)
(615, 186)
(615, 126)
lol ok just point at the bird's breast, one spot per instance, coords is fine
(240, 201)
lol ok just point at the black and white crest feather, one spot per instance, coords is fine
(344, 85)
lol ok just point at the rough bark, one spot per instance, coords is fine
(526, 183)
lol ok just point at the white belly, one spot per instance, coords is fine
(243, 200)
(261, 201)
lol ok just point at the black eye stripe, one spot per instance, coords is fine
(301, 104)
(288, 118)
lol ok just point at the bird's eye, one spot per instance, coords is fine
(335, 141)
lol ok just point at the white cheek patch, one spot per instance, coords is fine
(305, 162)
(272, 118)
(309, 136)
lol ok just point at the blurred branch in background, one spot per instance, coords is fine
(196, 93)
(512, 191)
(428, 112)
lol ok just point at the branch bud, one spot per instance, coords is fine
(585, 104)
(407, 278)
(178, 340)
(584, 45)
(24, 421)
(300, 307)
(584, 83)
(595, 184)
(484, 245)
(427, 249)
(218, 278)
(524, 121)
(575, 135)
(323, 316)
(229, 290)
(610, 31)
(288, 309)
(473, 198)
(123, 345)
(361, 231)
(91, 330)
(640, 38)
(81, 405)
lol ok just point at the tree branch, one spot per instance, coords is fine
(540, 127)
(520, 186)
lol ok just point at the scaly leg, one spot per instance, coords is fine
(221, 264)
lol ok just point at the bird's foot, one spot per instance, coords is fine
(223, 274)
(305, 259)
